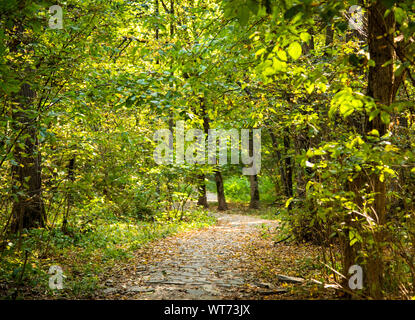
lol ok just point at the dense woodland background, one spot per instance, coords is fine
(80, 105)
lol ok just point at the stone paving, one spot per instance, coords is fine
(203, 264)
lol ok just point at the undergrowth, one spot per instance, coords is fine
(84, 251)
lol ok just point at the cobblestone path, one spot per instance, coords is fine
(204, 264)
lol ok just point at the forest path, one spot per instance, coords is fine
(210, 263)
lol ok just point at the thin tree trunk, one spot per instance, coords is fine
(280, 164)
(221, 193)
(329, 39)
(381, 88)
(288, 164)
(69, 198)
(253, 180)
(254, 203)
(202, 200)
(156, 4)
(310, 45)
(218, 175)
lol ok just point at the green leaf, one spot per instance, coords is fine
(346, 109)
(278, 65)
(282, 55)
(374, 132)
(304, 36)
(294, 50)
(332, 111)
(260, 52)
(385, 117)
(374, 114)
(400, 15)
(399, 71)
(309, 88)
(287, 204)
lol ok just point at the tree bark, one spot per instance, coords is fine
(254, 203)
(202, 201)
(381, 88)
(280, 164)
(218, 175)
(329, 38)
(28, 209)
(222, 206)
(288, 164)
(253, 180)
(310, 45)
(69, 197)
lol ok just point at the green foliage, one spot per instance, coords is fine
(80, 105)
(85, 253)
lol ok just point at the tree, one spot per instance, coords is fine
(28, 208)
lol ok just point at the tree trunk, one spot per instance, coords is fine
(218, 176)
(280, 164)
(288, 164)
(381, 88)
(310, 45)
(69, 198)
(329, 39)
(253, 180)
(221, 193)
(302, 143)
(28, 209)
(254, 203)
(202, 201)
(156, 9)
